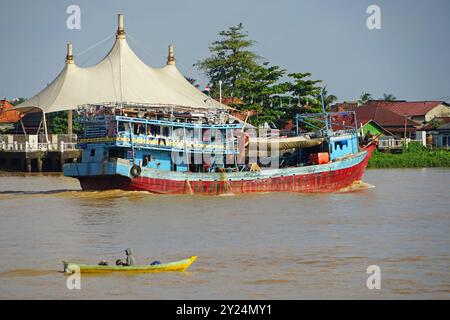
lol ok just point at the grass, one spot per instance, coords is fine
(413, 156)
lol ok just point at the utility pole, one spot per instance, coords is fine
(220, 91)
(406, 119)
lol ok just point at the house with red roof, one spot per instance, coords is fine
(8, 118)
(7, 115)
(374, 118)
(419, 111)
(441, 136)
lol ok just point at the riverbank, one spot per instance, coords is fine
(413, 156)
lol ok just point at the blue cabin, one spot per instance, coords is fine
(166, 144)
(338, 129)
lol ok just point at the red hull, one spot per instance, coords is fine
(329, 181)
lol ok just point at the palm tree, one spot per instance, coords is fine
(328, 99)
(364, 98)
(389, 97)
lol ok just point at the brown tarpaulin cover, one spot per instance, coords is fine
(285, 143)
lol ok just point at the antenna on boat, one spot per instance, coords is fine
(325, 115)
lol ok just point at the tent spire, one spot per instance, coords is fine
(69, 56)
(170, 57)
(120, 31)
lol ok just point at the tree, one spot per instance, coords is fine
(191, 80)
(231, 59)
(257, 83)
(17, 101)
(436, 123)
(58, 123)
(305, 90)
(261, 86)
(328, 99)
(364, 98)
(389, 97)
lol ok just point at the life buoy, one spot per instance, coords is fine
(135, 170)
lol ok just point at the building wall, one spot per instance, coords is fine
(372, 128)
(442, 140)
(439, 111)
(419, 119)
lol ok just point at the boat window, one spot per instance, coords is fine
(114, 153)
(146, 159)
(340, 144)
(129, 127)
(92, 152)
(153, 130)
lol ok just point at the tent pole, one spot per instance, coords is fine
(45, 126)
(23, 127)
(39, 127)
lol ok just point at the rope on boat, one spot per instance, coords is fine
(226, 183)
(188, 187)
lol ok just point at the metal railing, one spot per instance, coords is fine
(392, 143)
(30, 147)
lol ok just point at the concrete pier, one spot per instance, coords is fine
(26, 154)
(37, 161)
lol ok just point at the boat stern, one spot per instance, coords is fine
(70, 268)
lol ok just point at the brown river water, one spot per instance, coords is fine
(256, 246)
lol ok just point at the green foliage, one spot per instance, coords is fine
(389, 97)
(364, 98)
(18, 101)
(191, 80)
(435, 123)
(414, 147)
(231, 60)
(329, 99)
(263, 88)
(58, 123)
(415, 155)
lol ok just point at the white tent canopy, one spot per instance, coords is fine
(121, 77)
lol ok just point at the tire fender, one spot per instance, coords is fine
(135, 171)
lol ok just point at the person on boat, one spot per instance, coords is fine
(130, 258)
(367, 138)
(130, 261)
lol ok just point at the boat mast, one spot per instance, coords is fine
(325, 115)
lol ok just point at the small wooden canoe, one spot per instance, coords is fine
(180, 265)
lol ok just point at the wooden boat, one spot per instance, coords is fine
(141, 152)
(180, 266)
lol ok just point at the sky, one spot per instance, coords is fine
(408, 57)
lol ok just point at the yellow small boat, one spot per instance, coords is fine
(180, 266)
